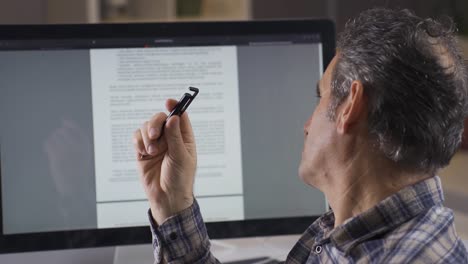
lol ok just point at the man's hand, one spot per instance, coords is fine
(168, 169)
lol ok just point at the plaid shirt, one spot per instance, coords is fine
(411, 226)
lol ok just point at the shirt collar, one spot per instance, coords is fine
(390, 212)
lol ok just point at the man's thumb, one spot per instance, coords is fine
(175, 142)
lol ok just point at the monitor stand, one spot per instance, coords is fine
(255, 250)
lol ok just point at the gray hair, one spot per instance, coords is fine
(415, 80)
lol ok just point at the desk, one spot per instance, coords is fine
(275, 247)
(225, 250)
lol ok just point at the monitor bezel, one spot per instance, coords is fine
(138, 235)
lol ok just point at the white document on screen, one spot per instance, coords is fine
(129, 86)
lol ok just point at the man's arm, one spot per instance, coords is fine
(182, 238)
(167, 163)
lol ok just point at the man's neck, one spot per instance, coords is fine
(359, 187)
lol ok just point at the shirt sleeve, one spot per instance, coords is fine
(182, 238)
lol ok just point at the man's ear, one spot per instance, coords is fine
(353, 108)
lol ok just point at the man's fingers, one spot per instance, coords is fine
(149, 146)
(185, 125)
(138, 143)
(170, 104)
(155, 125)
(174, 138)
(186, 128)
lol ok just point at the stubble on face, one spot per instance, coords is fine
(318, 135)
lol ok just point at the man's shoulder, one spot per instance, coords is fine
(434, 224)
(430, 236)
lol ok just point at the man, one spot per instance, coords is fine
(391, 113)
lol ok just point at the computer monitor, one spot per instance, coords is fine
(71, 97)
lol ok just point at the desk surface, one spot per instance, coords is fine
(275, 247)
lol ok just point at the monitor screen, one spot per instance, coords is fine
(69, 107)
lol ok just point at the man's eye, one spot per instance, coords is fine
(317, 91)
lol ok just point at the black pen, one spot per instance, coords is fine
(179, 109)
(181, 106)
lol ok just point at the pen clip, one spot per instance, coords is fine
(184, 102)
(190, 99)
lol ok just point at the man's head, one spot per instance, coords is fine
(408, 78)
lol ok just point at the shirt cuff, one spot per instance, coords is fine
(180, 235)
